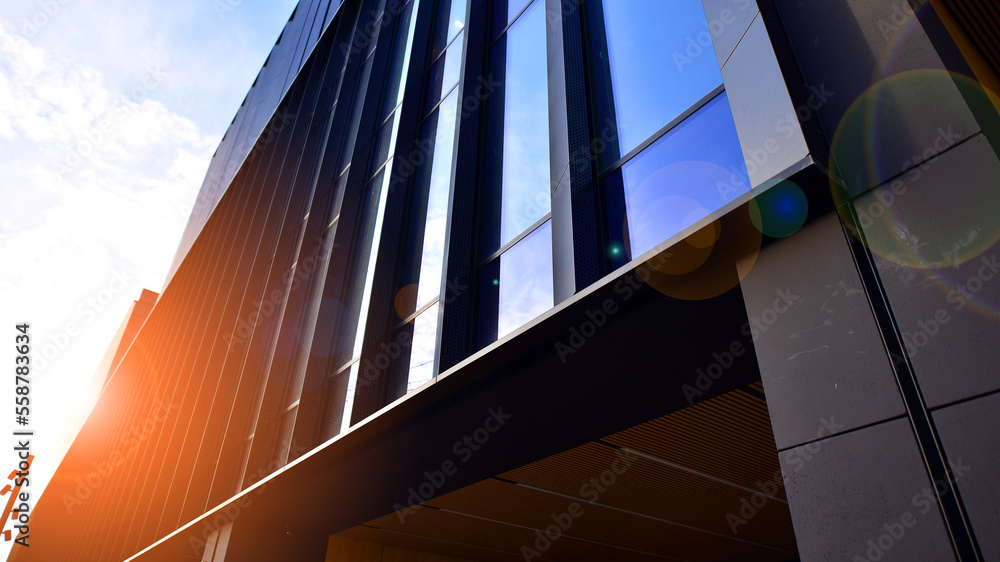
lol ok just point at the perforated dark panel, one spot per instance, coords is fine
(586, 242)
(456, 339)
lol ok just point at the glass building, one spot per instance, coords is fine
(503, 280)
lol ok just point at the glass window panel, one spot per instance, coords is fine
(450, 22)
(693, 170)
(526, 195)
(526, 280)
(412, 15)
(456, 23)
(655, 71)
(422, 349)
(352, 385)
(452, 66)
(444, 74)
(379, 187)
(514, 7)
(432, 256)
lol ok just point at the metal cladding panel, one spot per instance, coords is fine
(876, 59)
(253, 116)
(765, 119)
(728, 20)
(965, 428)
(867, 503)
(456, 341)
(818, 346)
(941, 282)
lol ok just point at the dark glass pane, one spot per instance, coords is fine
(526, 126)
(526, 280)
(690, 172)
(656, 72)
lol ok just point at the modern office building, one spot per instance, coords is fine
(137, 313)
(497, 280)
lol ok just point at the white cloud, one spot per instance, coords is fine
(68, 228)
(64, 236)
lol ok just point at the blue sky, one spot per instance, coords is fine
(110, 111)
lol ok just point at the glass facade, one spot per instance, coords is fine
(426, 209)
(675, 158)
(654, 79)
(397, 218)
(525, 196)
(526, 280)
(684, 176)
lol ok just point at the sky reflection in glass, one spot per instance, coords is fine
(432, 256)
(449, 22)
(422, 348)
(526, 126)
(514, 7)
(656, 72)
(526, 279)
(693, 170)
(444, 74)
(456, 23)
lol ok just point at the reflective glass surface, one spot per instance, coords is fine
(514, 7)
(526, 126)
(412, 15)
(450, 21)
(456, 22)
(432, 256)
(691, 171)
(662, 62)
(352, 386)
(444, 74)
(526, 280)
(422, 348)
